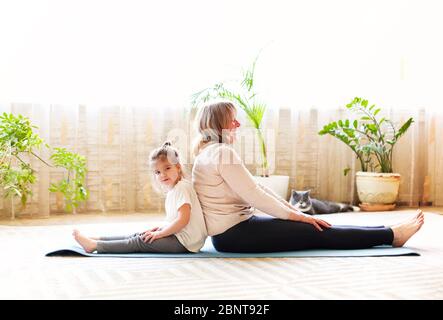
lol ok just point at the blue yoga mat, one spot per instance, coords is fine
(208, 251)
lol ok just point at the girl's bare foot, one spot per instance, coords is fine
(405, 230)
(88, 244)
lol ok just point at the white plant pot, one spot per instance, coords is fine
(377, 188)
(278, 184)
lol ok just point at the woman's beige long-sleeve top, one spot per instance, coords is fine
(228, 192)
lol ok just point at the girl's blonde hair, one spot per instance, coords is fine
(165, 152)
(210, 121)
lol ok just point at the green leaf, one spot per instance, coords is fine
(349, 132)
(372, 127)
(346, 171)
(376, 111)
(404, 128)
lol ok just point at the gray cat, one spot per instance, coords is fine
(303, 202)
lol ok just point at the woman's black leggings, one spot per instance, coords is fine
(266, 234)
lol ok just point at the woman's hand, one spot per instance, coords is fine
(316, 222)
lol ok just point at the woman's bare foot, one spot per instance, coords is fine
(405, 230)
(418, 213)
(88, 244)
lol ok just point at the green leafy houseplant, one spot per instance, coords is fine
(371, 138)
(18, 142)
(72, 187)
(17, 139)
(244, 96)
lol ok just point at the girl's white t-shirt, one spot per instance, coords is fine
(194, 234)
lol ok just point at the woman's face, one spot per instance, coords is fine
(233, 124)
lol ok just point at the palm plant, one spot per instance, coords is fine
(370, 138)
(245, 97)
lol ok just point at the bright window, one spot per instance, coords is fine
(157, 53)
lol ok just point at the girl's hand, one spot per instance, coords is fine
(152, 236)
(316, 222)
(145, 233)
(151, 230)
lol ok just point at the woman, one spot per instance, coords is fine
(228, 193)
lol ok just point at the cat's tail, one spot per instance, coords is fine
(348, 207)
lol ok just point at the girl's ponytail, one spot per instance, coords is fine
(167, 144)
(166, 151)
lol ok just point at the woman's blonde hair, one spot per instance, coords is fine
(165, 152)
(210, 122)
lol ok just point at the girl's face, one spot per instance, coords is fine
(233, 124)
(167, 174)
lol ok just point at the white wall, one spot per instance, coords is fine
(315, 53)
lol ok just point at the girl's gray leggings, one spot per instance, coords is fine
(134, 243)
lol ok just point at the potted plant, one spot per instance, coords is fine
(244, 96)
(18, 142)
(72, 187)
(372, 139)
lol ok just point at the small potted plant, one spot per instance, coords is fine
(245, 97)
(18, 143)
(372, 139)
(72, 186)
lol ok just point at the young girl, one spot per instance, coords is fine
(185, 230)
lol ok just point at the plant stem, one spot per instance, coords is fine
(375, 121)
(40, 159)
(362, 163)
(263, 153)
(364, 133)
(15, 155)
